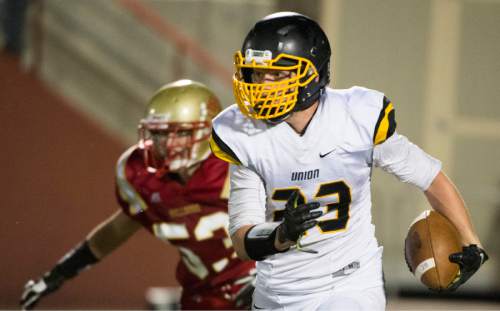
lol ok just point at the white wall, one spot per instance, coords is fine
(438, 60)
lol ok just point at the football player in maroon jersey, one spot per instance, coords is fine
(170, 184)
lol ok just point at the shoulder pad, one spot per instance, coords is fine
(230, 133)
(126, 190)
(373, 112)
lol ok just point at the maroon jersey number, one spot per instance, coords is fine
(204, 230)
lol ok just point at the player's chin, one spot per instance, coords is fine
(179, 165)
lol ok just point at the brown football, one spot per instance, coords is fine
(430, 240)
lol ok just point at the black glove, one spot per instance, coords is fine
(469, 260)
(71, 264)
(33, 291)
(297, 218)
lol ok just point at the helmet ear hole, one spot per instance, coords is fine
(313, 51)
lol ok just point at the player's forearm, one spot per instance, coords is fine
(110, 234)
(445, 199)
(101, 241)
(238, 239)
(257, 242)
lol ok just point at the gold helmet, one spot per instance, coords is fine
(175, 130)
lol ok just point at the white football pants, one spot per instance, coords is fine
(352, 292)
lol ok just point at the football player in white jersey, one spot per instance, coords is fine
(301, 158)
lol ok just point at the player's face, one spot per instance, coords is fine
(268, 88)
(271, 79)
(270, 75)
(172, 146)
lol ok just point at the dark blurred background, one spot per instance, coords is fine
(75, 76)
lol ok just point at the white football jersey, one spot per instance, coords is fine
(330, 163)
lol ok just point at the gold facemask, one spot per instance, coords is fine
(271, 100)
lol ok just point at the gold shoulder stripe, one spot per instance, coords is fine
(386, 123)
(381, 134)
(221, 154)
(221, 150)
(126, 190)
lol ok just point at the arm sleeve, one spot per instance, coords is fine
(247, 199)
(410, 164)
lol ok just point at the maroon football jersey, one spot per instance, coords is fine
(192, 217)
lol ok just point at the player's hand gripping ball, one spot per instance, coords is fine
(430, 241)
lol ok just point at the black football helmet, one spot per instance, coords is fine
(283, 41)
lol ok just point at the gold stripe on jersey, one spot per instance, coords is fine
(386, 123)
(127, 191)
(221, 154)
(184, 210)
(221, 150)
